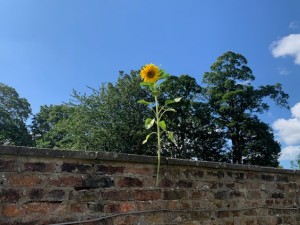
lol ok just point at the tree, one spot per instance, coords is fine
(14, 111)
(194, 132)
(50, 128)
(110, 118)
(235, 104)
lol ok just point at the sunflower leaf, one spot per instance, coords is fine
(147, 137)
(163, 76)
(145, 84)
(156, 93)
(149, 123)
(163, 125)
(171, 136)
(142, 101)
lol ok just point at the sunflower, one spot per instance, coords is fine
(150, 73)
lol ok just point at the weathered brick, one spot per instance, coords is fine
(36, 194)
(18, 180)
(12, 210)
(130, 182)
(165, 182)
(223, 214)
(7, 166)
(222, 195)
(75, 167)
(67, 181)
(277, 195)
(218, 174)
(267, 177)
(94, 182)
(184, 184)
(95, 207)
(102, 169)
(140, 171)
(56, 195)
(37, 167)
(118, 195)
(9, 195)
(146, 195)
(84, 196)
(281, 178)
(174, 195)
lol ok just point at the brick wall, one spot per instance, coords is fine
(42, 186)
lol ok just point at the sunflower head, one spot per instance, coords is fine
(150, 73)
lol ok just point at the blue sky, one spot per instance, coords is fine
(49, 47)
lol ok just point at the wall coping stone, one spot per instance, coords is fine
(112, 156)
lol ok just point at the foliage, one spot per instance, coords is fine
(14, 111)
(195, 134)
(235, 103)
(49, 127)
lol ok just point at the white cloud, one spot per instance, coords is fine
(294, 24)
(287, 46)
(283, 71)
(290, 153)
(289, 129)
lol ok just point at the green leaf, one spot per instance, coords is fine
(163, 125)
(145, 83)
(177, 99)
(149, 123)
(171, 136)
(170, 110)
(170, 101)
(147, 137)
(163, 76)
(142, 101)
(156, 93)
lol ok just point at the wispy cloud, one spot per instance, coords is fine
(283, 71)
(288, 130)
(287, 46)
(294, 24)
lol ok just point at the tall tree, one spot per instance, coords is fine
(195, 134)
(234, 102)
(50, 127)
(14, 111)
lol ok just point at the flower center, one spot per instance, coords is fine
(150, 74)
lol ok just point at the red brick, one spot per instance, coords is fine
(142, 195)
(67, 181)
(7, 166)
(130, 182)
(140, 171)
(102, 169)
(23, 180)
(13, 210)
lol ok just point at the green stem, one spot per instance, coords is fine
(158, 140)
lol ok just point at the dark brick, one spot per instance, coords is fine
(109, 169)
(281, 178)
(193, 173)
(6, 166)
(36, 194)
(166, 183)
(95, 207)
(218, 174)
(144, 195)
(130, 182)
(68, 167)
(83, 168)
(184, 184)
(236, 194)
(267, 177)
(223, 214)
(239, 176)
(56, 194)
(96, 182)
(277, 195)
(174, 195)
(221, 195)
(35, 167)
(9, 195)
(118, 195)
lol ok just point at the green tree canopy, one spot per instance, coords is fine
(14, 111)
(235, 102)
(195, 134)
